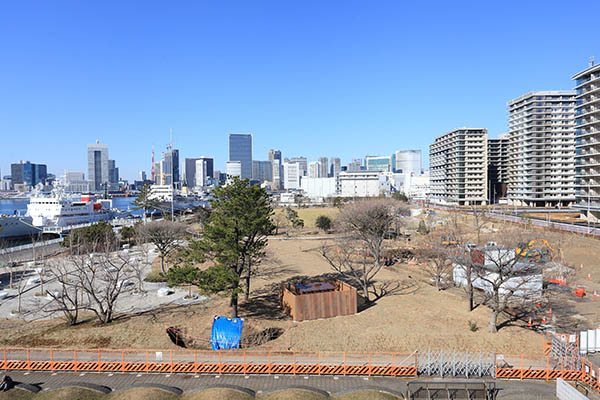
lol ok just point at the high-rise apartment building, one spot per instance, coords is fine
(355, 165)
(314, 169)
(240, 149)
(458, 167)
(262, 171)
(380, 163)
(97, 166)
(541, 149)
(497, 168)
(324, 165)
(336, 166)
(587, 142)
(408, 162)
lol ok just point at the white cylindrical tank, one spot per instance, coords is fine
(598, 339)
(583, 342)
(591, 339)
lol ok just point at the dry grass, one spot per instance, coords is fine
(143, 394)
(293, 394)
(217, 394)
(69, 393)
(309, 215)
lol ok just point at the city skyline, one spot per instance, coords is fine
(343, 84)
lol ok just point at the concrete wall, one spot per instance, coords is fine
(564, 391)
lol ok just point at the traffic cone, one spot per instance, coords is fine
(529, 323)
(550, 313)
(544, 319)
(589, 277)
(596, 294)
(538, 305)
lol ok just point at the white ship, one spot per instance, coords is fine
(17, 226)
(59, 209)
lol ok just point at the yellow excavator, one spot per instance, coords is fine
(536, 250)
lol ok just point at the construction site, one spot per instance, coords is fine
(307, 314)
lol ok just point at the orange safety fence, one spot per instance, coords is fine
(210, 362)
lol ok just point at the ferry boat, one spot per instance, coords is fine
(59, 209)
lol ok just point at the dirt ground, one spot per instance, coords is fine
(414, 317)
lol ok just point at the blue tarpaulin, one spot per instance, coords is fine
(226, 333)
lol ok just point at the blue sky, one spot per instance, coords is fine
(313, 78)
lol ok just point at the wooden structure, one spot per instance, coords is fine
(316, 300)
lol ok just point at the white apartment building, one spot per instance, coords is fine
(541, 149)
(587, 142)
(497, 168)
(458, 167)
(291, 175)
(363, 183)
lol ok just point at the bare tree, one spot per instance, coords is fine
(504, 276)
(436, 259)
(7, 260)
(165, 235)
(360, 254)
(480, 221)
(102, 278)
(67, 298)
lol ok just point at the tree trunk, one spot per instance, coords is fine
(366, 292)
(493, 328)
(469, 274)
(162, 264)
(234, 305)
(248, 284)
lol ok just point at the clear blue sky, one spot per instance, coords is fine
(313, 78)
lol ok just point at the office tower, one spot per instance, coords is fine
(408, 162)
(355, 165)
(192, 175)
(314, 169)
(170, 168)
(587, 142)
(233, 168)
(380, 163)
(75, 182)
(497, 168)
(262, 171)
(336, 166)
(277, 168)
(324, 165)
(541, 149)
(143, 176)
(97, 165)
(291, 175)
(303, 164)
(25, 172)
(240, 149)
(158, 173)
(458, 167)
(113, 175)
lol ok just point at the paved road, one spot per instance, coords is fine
(261, 384)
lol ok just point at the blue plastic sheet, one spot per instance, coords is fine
(226, 333)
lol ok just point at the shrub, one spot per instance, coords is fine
(323, 222)
(155, 276)
(473, 326)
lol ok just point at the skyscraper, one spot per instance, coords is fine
(25, 172)
(97, 166)
(277, 166)
(233, 169)
(497, 167)
(314, 169)
(324, 165)
(262, 171)
(336, 166)
(303, 163)
(240, 149)
(113, 175)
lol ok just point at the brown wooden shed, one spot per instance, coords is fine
(314, 300)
